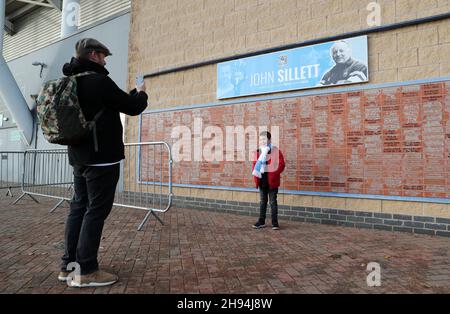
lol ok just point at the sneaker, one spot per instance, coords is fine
(259, 225)
(63, 276)
(275, 226)
(97, 279)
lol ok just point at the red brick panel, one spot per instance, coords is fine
(392, 141)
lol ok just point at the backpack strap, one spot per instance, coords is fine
(97, 116)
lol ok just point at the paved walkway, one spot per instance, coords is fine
(205, 252)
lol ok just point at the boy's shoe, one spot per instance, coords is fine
(96, 279)
(259, 225)
(275, 226)
(63, 276)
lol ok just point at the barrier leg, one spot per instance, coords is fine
(22, 196)
(157, 218)
(9, 193)
(56, 206)
(147, 217)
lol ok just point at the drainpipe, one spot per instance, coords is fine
(70, 20)
(10, 92)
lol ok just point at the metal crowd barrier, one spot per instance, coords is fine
(11, 168)
(145, 181)
(47, 173)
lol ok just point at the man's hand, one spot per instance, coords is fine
(141, 88)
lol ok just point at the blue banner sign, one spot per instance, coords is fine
(328, 64)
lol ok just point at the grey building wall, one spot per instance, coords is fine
(114, 33)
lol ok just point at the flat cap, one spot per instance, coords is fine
(87, 45)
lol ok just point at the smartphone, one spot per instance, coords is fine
(139, 80)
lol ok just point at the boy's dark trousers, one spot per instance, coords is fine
(270, 195)
(91, 204)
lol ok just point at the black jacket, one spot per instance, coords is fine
(95, 92)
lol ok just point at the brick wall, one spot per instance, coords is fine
(392, 142)
(406, 159)
(389, 141)
(172, 33)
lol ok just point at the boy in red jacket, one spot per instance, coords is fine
(269, 182)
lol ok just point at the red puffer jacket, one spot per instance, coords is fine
(275, 166)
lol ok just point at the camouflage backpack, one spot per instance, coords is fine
(60, 115)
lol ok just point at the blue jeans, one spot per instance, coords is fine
(91, 204)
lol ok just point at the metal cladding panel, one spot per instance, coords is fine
(34, 31)
(43, 26)
(94, 11)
